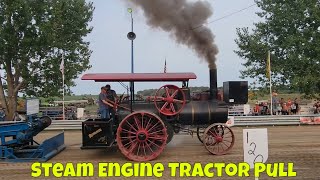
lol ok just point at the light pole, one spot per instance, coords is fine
(131, 36)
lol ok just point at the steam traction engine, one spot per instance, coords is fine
(144, 127)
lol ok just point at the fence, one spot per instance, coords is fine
(238, 121)
(55, 113)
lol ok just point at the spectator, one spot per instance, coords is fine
(265, 108)
(295, 106)
(317, 107)
(261, 107)
(275, 102)
(284, 110)
(279, 108)
(282, 102)
(289, 103)
(257, 109)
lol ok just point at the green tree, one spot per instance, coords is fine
(33, 36)
(291, 31)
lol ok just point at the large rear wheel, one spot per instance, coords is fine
(141, 136)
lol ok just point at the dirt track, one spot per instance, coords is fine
(300, 145)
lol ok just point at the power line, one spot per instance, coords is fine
(223, 17)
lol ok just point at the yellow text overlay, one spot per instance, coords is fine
(158, 169)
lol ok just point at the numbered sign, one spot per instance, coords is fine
(32, 106)
(255, 146)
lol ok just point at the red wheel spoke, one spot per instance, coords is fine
(178, 101)
(156, 131)
(227, 141)
(224, 136)
(128, 131)
(156, 137)
(154, 143)
(213, 134)
(164, 106)
(153, 127)
(132, 126)
(132, 148)
(128, 137)
(147, 126)
(149, 148)
(212, 145)
(136, 120)
(167, 91)
(218, 147)
(144, 149)
(214, 129)
(138, 149)
(172, 107)
(130, 142)
(159, 98)
(175, 93)
(225, 144)
(221, 145)
(142, 122)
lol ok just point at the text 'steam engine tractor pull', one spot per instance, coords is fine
(144, 127)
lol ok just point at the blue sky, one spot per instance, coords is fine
(112, 50)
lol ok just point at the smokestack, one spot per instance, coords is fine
(184, 21)
(213, 84)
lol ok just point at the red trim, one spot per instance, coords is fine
(103, 77)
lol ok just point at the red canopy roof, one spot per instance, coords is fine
(108, 77)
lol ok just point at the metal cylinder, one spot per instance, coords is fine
(40, 124)
(203, 112)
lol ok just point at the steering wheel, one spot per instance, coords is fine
(169, 100)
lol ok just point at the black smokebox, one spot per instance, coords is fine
(213, 84)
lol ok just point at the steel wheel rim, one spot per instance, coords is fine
(141, 136)
(218, 139)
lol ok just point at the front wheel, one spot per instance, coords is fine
(218, 139)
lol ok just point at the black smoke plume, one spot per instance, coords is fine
(179, 18)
